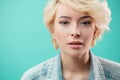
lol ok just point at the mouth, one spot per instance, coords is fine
(75, 44)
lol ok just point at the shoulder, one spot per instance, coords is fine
(39, 71)
(111, 68)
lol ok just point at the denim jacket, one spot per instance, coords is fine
(100, 69)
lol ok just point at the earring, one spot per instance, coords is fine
(55, 43)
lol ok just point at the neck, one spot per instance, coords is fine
(75, 64)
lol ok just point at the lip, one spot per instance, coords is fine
(75, 44)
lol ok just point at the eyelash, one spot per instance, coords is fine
(64, 22)
(84, 23)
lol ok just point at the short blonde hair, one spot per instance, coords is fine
(97, 9)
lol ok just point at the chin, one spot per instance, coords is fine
(77, 53)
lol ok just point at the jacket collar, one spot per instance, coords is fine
(96, 69)
(55, 69)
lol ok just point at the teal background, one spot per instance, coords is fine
(26, 42)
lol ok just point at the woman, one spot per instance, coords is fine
(75, 25)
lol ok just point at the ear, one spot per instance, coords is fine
(95, 31)
(53, 34)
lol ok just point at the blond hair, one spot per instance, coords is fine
(97, 9)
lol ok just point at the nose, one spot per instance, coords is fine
(75, 32)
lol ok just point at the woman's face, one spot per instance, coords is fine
(73, 31)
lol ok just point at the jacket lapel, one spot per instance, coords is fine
(54, 70)
(97, 68)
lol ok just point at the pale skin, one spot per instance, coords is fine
(74, 32)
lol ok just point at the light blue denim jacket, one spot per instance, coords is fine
(100, 69)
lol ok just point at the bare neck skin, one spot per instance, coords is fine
(75, 68)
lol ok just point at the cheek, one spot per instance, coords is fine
(60, 32)
(88, 35)
(59, 36)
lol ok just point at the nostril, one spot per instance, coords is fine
(75, 35)
(71, 34)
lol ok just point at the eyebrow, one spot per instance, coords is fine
(83, 17)
(65, 17)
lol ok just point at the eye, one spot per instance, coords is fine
(64, 22)
(86, 23)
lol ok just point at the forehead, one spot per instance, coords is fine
(63, 10)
